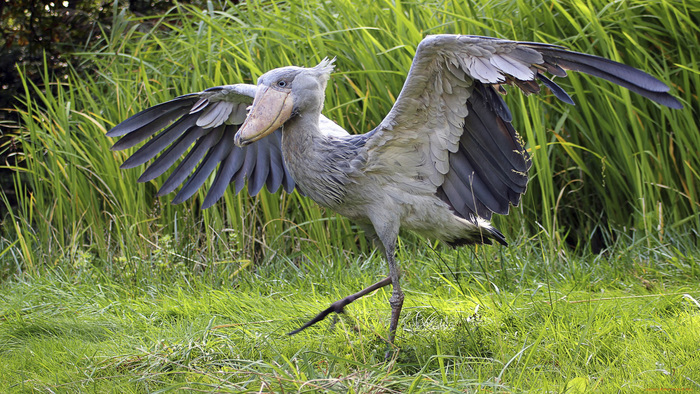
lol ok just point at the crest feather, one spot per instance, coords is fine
(326, 66)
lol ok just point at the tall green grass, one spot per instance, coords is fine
(613, 162)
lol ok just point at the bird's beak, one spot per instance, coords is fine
(271, 108)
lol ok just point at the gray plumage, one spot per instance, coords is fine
(443, 160)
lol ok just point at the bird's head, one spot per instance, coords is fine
(283, 93)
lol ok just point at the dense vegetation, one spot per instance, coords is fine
(37, 38)
(133, 291)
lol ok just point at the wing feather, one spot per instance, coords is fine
(201, 127)
(215, 114)
(247, 167)
(512, 66)
(214, 156)
(201, 147)
(165, 112)
(451, 118)
(466, 203)
(277, 168)
(154, 146)
(171, 155)
(229, 167)
(260, 172)
(138, 128)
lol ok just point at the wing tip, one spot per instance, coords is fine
(673, 103)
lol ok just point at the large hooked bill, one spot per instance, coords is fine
(271, 108)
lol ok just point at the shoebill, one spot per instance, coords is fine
(443, 160)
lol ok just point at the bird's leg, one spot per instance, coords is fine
(396, 300)
(338, 306)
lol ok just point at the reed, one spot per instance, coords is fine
(614, 162)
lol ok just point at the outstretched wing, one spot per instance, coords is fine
(450, 132)
(203, 126)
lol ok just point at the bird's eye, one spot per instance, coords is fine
(281, 84)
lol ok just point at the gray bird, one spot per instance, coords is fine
(444, 159)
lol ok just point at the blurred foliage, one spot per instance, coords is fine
(32, 31)
(29, 31)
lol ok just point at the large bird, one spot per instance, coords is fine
(444, 159)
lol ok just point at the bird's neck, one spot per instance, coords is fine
(313, 163)
(301, 132)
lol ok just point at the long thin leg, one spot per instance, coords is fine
(339, 305)
(396, 300)
(386, 231)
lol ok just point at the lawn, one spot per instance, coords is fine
(495, 320)
(107, 288)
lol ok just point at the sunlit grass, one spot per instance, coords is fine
(508, 320)
(613, 161)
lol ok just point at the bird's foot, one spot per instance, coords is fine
(391, 352)
(339, 306)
